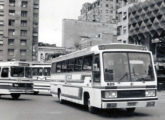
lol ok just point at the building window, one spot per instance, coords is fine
(23, 52)
(11, 22)
(107, 5)
(124, 41)
(124, 30)
(24, 23)
(119, 28)
(22, 60)
(11, 42)
(11, 52)
(12, 12)
(36, 6)
(23, 32)
(24, 13)
(119, 40)
(111, 11)
(1, 33)
(1, 54)
(24, 4)
(11, 32)
(1, 43)
(1, 7)
(23, 42)
(125, 16)
(12, 3)
(1, 23)
(35, 15)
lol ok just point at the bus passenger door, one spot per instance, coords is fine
(96, 71)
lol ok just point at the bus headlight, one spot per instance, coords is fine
(15, 85)
(110, 94)
(150, 93)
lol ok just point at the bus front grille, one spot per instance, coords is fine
(131, 93)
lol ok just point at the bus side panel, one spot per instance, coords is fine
(57, 82)
(72, 92)
(95, 96)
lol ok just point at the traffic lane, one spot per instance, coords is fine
(40, 107)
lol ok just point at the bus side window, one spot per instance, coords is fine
(78, 64)
(96, 69)
(87, 63)
(64, 66)
(70, 65)
(53, 68)
(58, 67)
(5, 72)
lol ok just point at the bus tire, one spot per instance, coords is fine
(59, 97)
(36, 92)
(130, 110)
(91, 109)
(15, 96)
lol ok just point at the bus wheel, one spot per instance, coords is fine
(36, 92)
(15, 96)
(130, 110)
(59, 97)
(91, 109)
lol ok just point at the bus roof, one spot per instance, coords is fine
(14, 63)
(40, 64)
(122, 46)
(97, 48)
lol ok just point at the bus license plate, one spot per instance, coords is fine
(131, 103)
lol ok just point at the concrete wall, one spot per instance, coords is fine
(74, 31)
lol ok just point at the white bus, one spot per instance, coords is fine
(15, 78)
(105, 77)
(41, 77)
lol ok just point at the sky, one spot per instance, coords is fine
(52, 12)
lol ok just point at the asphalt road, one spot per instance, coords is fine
(44, 107)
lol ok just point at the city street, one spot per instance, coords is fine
(45, 107)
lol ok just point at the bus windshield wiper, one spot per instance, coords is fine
(126, 74)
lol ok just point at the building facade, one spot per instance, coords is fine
(46, 52)
(100, 11)
(79, 33)
(147, 26)
(103, 38)
(123, 20)
(19, 30)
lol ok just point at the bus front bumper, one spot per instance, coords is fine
(128, 103)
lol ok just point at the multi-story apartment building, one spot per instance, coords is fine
(123, 20)
(100, 11)
(147, 26)
(19, 30)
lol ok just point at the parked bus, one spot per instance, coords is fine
(105, 77)
(41, 77)
(15, 78)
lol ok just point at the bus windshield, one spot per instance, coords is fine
(47, 71)
(38, 71)
(17, 71)
(127, 66)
